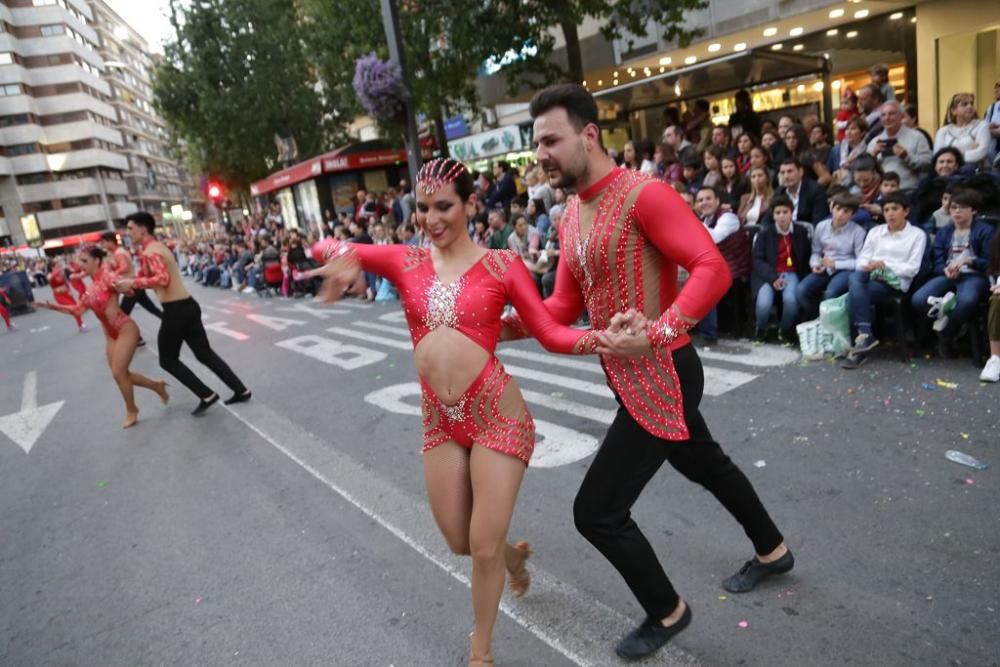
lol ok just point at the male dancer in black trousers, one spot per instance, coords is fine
(181, 321)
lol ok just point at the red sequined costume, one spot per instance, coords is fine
(471, 305)
(641, 231)
(76, 276)
(97, 296)
(3, 310)
(61, 293)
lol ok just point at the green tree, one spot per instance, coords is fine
(235, 76)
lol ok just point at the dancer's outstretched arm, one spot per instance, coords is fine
(343, 262)
(538, 321)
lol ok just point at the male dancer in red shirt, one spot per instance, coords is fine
(622, 237)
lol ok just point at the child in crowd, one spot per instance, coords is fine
(780, 260)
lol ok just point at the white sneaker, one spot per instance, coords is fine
(248, 290)
(991, 371)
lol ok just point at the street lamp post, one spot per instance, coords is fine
(390, 21)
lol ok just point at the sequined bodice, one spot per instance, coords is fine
(471, 305)
(99, 292)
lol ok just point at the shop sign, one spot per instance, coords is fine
(487, 144)
(455, 128)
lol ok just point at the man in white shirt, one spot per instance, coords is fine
(901, 149)
(734, 244)
(887, 264)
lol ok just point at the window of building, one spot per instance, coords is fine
(15, 119)
(53, 30)
(10, 89)
(6, 58)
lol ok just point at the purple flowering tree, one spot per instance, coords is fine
(379, 87)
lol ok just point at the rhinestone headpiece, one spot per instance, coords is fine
(438, 173)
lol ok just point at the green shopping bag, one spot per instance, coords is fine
(835, 318)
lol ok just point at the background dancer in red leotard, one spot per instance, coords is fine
(76, 275)
(60, 290)
(478, 434)
(4, 299)
(121, 333)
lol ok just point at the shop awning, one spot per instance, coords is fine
(739, 70)
(352, 157)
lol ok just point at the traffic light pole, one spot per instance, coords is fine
(390, 21)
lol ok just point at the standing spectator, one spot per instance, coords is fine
(506, 188)
(407, 202)
(744, 144)
(992, 117)
(808, 199)
(961, 264)
(848, 111)
(900, 149)
(880, 79)
(630, 157)
(962, 130)
(698, 127)
(527, 243)
(991, 372)
(888, 263)
(754, 204)
(674, 135)
(836, 244)
(869, 106)
(909, 110)
(723, 139)
(744, 120)
(780, 260)
(850, 148)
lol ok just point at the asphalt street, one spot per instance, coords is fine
(294, 529)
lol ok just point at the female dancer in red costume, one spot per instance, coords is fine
(60, 290)
(478, 434)
(121, 332)
(76, 275)
(3, 311)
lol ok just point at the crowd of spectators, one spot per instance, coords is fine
(900, 220)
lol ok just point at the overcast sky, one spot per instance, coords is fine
(147, 17)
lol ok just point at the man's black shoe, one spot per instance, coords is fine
(204, 404)
(651, 636)
(239, 398)
(141, 343)
(753, 572)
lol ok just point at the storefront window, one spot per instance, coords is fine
(308, 204)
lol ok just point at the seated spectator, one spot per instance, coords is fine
(888, 262)
(668, 164)
(722, 139)
(961, 263)
(807, 197)
(948, 166)
(813, 166)
(711, 173)
(900, 149)
(552, 255)
(964, 131)
(754, 204)
(732, 186)
(847, 112)
(888, 184)
(991, 372)
(691, 173)
(500, 229)
(909, 110)
(526, 242)
(836, 245)
(734, 244)
(744, 144)
(537, 214)
(780, 260)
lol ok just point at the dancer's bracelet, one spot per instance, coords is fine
(667, 329)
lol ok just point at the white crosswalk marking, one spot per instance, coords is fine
(543, 358)
(599, 415)
(386, 328)
(380, 340)
(720, 380)
(591, 388)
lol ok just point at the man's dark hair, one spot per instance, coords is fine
(891, 176)
(875, 92)
(834, 190)
(504, 165)
(782, 200)
(847, 200)
(110, 237)
(968, 197)
(714, 190)
(897, 198)
(954, 188)
(144, 219)
(791, 160)
(575, 99)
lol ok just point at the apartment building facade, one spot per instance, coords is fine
(61, 172)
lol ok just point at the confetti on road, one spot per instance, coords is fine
(39, 329)
(723, 597)
(969, 481)
(198, 600)
(919, 413)
(965, 436)
(760, 464)
(928, 386)
(944, 383)
(743, 624)
(102, 485)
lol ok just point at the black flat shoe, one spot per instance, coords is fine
(651, 636)
(204, 404)
(238, 398)
(753, 572)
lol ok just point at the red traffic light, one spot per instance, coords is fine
(214, 190)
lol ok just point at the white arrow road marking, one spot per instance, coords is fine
(26, 426)
(333, 352)
(224, 311)
(763, 356)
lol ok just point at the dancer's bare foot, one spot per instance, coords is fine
(520, 577)
(161, 391)
(130, 419)
(481, 660)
